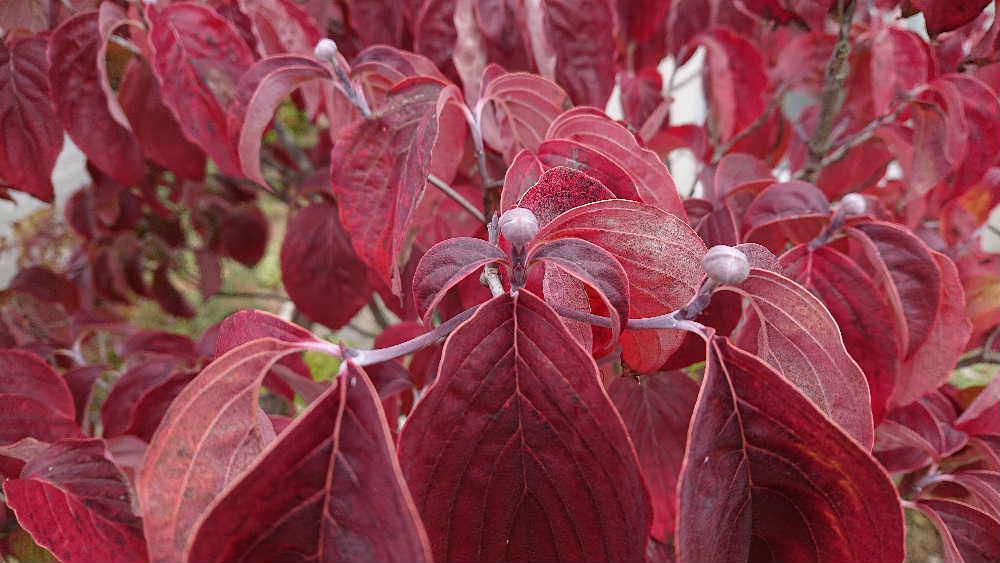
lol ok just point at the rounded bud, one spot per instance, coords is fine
(725, 264)
(853, 204)
(326, 49)
(519, 226)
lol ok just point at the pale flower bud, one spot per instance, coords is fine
(519, 226)
(326, 49)
(853, 204)
(726, 265)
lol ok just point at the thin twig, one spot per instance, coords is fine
(722, 149)
(459, 199)
(298, 154)
(252, 295)
(368, 357)
(377, 313)
(832, 97)
(856, 139)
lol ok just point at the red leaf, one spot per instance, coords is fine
(258, 94)
(516, 109)
(929, 366)
(212, 431)
(75, 503)
(380, 167)
(798, 337)
(523, 173)
(909, 275)
(82, 104)
(641, 94)
(434, 32)
(737, 86)
(984, 486)
(983, 415)
(32, 136)
(661, 256)
(120, 408)
(919, 433)
(45, 285)
(30, 15)
(377, 21)
(38, 402)
(981, 112)
(317, 259)
(243, 234)
(657, 410)
(199, 58)
(946, 15)
(548, 472)
(560, 189)
(582, 33)
(155, 128)
(767, 476)
(80, 381)
(281, 26)
(786, 212)
(342, 496)
(169, 298)
(597, 131)
(968, 534)
(593, 266)
(446, 264)
(571, 154)
(863, 314)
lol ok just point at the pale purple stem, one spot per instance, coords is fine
(369, 357)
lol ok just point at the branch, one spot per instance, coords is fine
(832, 98)
(453, 194)
(368, 357)
(854, 140)
(722, 149)
(251, 295)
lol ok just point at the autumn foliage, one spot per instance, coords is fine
(790, 356)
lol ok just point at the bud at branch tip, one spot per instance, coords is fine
(726, 265)
(326, 49)
(519, 226)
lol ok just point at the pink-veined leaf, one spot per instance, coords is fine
(380, 168)
(320, 271)
(548, 471)
(31, 131)
(342, 496)
(155, 128)
(82, 104)
(211, 432)
(593, 266)
(968, 534)
(796, 335)
(737, 81)
(582, 33)
(446, 264)
(75, 502)
(661, 255)
(258, 94)
(560, 189)
(657, 410)
(571, 154)
(516, 109)
(984, 486)
(199, 58)
(281, 26)
(523, 173)
(786, 212)
(642, 95)
(596, 130)
(863, 314)
(917, 434)
(909, 275)
(38, 402)
(767, 476)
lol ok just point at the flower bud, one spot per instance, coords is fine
(853, 204)
(725, 264)
(519, 226)
(326, 49)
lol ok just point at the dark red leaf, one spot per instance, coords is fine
(172, 300)
(582, 33)
(786, 212)
(32, 135)
(571, 154)
(446, 264)
(983, 415)
(596, 130)
(560, 189)
(317, 259)
(159, 342)
(523, 173)
(984, 486)
(75, 503)
(45, 285)
(120, 409)
(737, 81)
(380, 167)
(593, 266)
(661, 256)
(919, 433)
(80, 381)
(342, 496)
(377, 21)
(641, 94)
(796, 335)
(281, 26)
(767, 476)
(211, 432)
(548, 472)
(434, 32)
(863, 314)
(968, 534)
(155, 128)
(657, 410)
(199, 58)
(82, 103)
(946, 15)
(259, 92)
(38, 402)
(516, 109)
